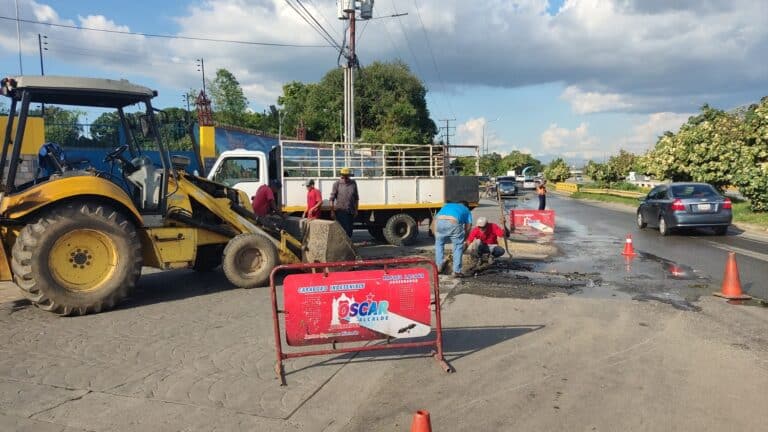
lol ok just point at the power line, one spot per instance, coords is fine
(162, 36)
(312, 22)
(432, 54)
(322, 16)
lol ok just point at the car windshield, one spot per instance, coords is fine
(506, 184)
(694, 191)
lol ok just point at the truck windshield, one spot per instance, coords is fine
(237, 170)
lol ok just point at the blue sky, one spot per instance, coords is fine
(577, 78)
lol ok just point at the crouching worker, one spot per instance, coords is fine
(483, 243)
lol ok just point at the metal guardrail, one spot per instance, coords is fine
(614, 192)
(566, 187)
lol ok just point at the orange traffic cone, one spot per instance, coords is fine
(421, 422)
(629, 250)
(731, 282)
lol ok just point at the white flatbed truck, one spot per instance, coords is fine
(400, 185)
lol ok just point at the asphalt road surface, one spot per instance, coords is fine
(563, 345)
(589, 230)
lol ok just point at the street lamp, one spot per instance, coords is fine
(484, 144)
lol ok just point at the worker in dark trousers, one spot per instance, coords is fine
(541, 190)
(344, 201)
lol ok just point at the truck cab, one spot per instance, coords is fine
(241, 169)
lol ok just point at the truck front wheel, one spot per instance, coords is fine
(77, 259)
(401, 230)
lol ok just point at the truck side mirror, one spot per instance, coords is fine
(144, 122)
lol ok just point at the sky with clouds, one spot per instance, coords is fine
(575, 78)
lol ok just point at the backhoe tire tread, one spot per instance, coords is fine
(233, 260)
(30, 258)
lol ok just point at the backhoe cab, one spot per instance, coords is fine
(75, 238)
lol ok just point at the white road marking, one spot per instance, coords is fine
(746, 252)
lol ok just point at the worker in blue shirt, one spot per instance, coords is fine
(453, 222)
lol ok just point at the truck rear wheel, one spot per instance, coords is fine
(77, 259)
(401, 230)
(248, 260)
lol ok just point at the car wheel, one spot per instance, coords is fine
(720, 230)
(641, 221)
(663, 228)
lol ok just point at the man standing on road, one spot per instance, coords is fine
(314, 201)
(344, 201)
(453, 223)
(264, 201)
(541, 191)
(483, 239)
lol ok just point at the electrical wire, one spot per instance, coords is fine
(312, 22)
(163, 36)
(432, 54)
(312, 16)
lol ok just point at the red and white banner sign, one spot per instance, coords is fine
(540, 220)
(357, 305)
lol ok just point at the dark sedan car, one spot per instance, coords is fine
(507, 188)
(681, 205)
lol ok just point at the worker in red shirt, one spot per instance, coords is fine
(264, 202)
(483, 239)
(314, 201)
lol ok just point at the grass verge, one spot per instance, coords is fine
(741, 211)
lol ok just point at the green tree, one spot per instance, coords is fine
(62, 126)
(517, 161)
(229, 102)
(752, 175)
(557, 171)
(390, 105)
(619, 166)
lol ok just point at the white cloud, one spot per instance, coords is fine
(645, 134)
(586, 102)
(611, 55)
(570, 143)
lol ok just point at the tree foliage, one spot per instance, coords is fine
(229, 102)
(494, 164)
(390, 106)
(557, 171)
(719, 148)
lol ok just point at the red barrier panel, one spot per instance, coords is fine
(541, 220)
(344, 306)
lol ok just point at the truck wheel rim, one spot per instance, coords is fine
(402, 230)
(249, 261)
(83, 260)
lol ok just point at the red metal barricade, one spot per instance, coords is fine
(386, 302)
(539, 220)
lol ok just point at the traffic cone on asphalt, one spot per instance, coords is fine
(731, 282)
(421, 422)
(629, 250)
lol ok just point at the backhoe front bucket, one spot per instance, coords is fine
(326, 241)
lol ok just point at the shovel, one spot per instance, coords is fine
(503, 221)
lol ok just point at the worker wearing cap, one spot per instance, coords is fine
(483, 239)
(452, 224)
(344, 200)
(264, 201)
(314, 201)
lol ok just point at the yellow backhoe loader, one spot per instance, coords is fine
(75, 239)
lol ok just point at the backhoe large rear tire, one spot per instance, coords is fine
(77, 259)
(401, 230)
(248, 260)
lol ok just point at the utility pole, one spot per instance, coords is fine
(40, 44)
(447, 130)
(347, 11)
(201, 68)
(18, 36)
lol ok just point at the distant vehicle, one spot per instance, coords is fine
(683, 205)
(507, 188)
